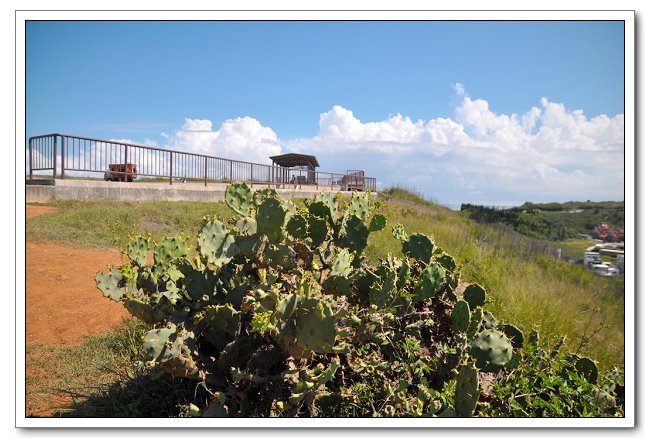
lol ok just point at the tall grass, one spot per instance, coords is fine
(526, 286)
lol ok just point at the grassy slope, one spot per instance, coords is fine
(556, 221)
(528, 289)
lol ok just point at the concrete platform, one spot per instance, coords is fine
(47, 190)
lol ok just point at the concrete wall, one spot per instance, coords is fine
(140, 191)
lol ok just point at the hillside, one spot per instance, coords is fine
(551, 221)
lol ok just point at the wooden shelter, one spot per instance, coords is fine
(302, 168)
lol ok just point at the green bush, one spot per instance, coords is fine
(279, 313)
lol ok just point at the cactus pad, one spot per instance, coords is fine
(270, 218)
(489, 321)
(220, 324)
(239, 197)
(359, 206)
(467, 390)
(377, 223)
(315, 326)
(111, 284)
(418, 246)
(161, 345)
(316, 230)
(515, 334)
(588, 369)
(297, 227)
(431, 282)
(138, 250)
(354, 234)
(217, 244)
(474, 295)
(460, 317)
(447, 261)
(492, 350)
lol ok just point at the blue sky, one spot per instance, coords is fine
(483, 112)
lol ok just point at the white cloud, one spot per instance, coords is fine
(547, 152)
(239, 139)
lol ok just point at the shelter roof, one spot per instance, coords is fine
(293, 159)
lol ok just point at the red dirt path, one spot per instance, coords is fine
(62, 302)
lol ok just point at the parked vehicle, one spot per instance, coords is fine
(116, 172)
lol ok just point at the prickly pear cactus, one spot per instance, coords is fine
(492, 350)
(138, 250)
(460, 317)
(377, 223)
(317, 230)
(418, 246)
(467, 390)
(587, 368)
(431, 282)
(489, 321)
(354, 234)
(270, 218)
(447, 261)
(324, 206)
(217, 244)
(277, 312)
(474, 295)
(162, 344)
(111, 284)
(315, 326)
(515, 334)
(239, 197)
(297, 227)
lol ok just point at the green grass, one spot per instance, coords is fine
(109, 223)
(409, 195)
(575, 248)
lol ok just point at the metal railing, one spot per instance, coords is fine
(63, 154)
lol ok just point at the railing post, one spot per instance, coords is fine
(54, 162)
(270, 176)
(231, 179)
(171, 156)
(63, 156)
(126, 168)
(251, 175)
(31, 162)
(206, 171)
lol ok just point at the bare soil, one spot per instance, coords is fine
(38, 210)
(62, 302)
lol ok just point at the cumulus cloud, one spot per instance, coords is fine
(239, 139)
(546, 153)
